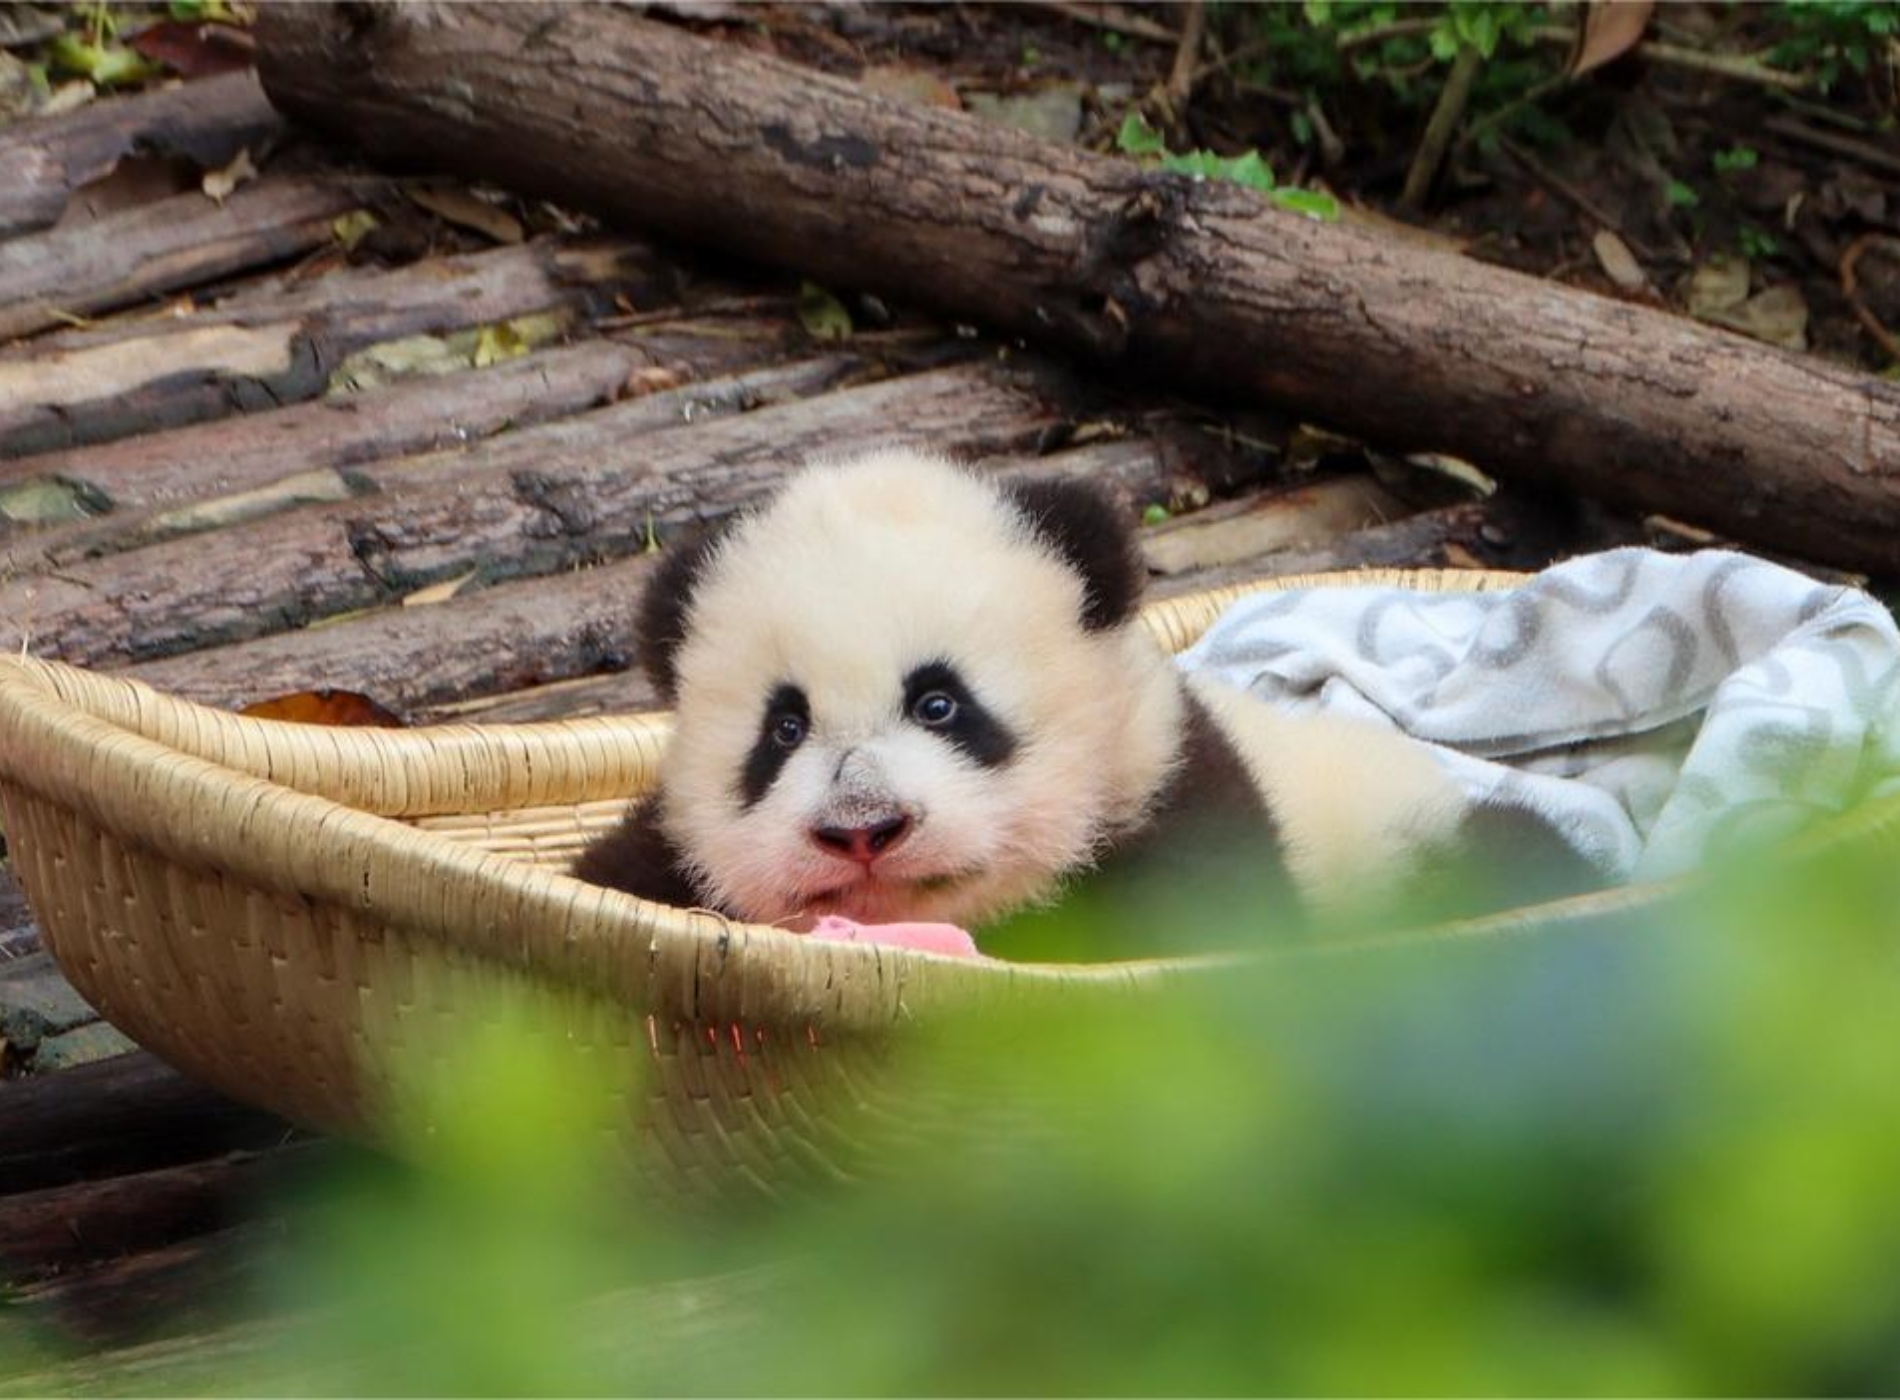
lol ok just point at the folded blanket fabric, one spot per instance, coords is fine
(1656, 708)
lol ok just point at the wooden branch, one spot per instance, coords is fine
(43, 161)
(1447, 112)
(1403, 346)
(188, 1285)
(129, 1113)
(533, 502)
(58, 1228)
(54, 277)
(263, 350)
(1500, 534)
(543, 632)
(209, 474)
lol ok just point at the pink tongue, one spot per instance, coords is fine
(947, 939)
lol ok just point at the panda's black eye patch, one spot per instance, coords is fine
(936, 698)
(786, 722)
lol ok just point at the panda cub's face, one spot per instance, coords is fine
(896, 700)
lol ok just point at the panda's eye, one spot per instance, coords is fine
(788, 731)
(934, 708)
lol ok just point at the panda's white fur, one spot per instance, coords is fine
(858, 573)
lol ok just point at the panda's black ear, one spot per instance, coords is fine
(663, 607)
(1091, 533)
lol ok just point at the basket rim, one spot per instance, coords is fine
(306, 811)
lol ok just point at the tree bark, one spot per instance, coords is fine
(263, 350)
(1494, 534)
(1406, 347)
(206, 475)
(130, 1113)
(43, 161)
(58, 1228)
(532, 502)
(542, 632)
(50, 278)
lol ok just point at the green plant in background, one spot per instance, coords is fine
(1137, 138)
(1832, 38)
(1328, 50)
(1756, 242)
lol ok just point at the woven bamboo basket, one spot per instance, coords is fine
(266, 905)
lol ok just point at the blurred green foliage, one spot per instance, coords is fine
(1378, 65)
(1833, 38)
(1647, 1153)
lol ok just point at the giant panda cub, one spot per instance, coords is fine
(907, 693)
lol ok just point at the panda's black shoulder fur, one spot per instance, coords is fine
(666, 601)
(1091, 534)
(637, 857)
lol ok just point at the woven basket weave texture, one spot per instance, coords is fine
(263, 903)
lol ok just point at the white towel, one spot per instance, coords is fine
(1656, 708)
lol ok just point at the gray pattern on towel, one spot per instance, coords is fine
(1655, 707)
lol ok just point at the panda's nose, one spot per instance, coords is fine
(863, 843)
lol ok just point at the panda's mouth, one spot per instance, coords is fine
(883, 895)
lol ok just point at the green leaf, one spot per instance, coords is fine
(107, 65)
(1681, 196)
(821, 314)
(1251, 171)
(1758, 243)
(1736, 157)
(1315, 204)
(1137, 138)
(1156, 515)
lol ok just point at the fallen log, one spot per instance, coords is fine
(130, 1113)
(206, 475)
(543, 632)
(76, 387)
(1403, 346)
(58, 1228)
(187, 1286)
(54, 278)
(44, 161)
(1302, 517)
(532, 502)
(1501, 533)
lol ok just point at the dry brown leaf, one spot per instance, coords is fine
(1303, 518)
(196, 50)
(464, 210)
(68, 97)
(908, 84)
(219, 184)
(1719, 285)
(1610, 29)
(1053, 112)
(335, 707)
(1616, 259)
(438, 592)
(652, 379)
(1778, 316)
